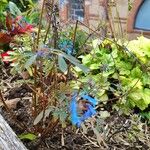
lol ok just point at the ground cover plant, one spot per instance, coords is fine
(75, 91)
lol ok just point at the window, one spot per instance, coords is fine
(142, 17)
(76, 11)
(138, 19)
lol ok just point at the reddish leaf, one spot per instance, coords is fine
(18, 18)
(5, 38)
(9, 22)
(5, 54)
(22, 29)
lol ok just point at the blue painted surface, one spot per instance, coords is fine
(62, 3)
(142, 20)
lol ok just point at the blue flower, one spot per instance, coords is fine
(89, 113)
(93, 101)
(73, 107)
(75, 118)
(67, 46)
(40, 53)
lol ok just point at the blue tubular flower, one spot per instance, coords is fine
(76, 120)
(93, 101)
(89, 113)
(73, 107)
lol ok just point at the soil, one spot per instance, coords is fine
(22, 112)
(69, 138)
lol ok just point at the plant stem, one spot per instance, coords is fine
(75, 32)
(40, 24)
(34, 98)
(49, 23)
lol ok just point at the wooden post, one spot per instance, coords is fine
(8, 139)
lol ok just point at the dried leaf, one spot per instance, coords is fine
(11, 104)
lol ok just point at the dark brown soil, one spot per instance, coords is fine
(116, 134)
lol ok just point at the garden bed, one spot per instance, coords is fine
(118, 131)
(66, 88)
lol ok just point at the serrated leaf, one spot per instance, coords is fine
(136, 72)
(62, 64)
(28, 136)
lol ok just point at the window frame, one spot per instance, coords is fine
(132, 16)
(71, 8)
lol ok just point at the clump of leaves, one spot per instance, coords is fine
(119, 73)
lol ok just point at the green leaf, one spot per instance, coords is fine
(14, 9)
(104, 114)
(3, 5)
(95, 66)
(75, 62)
(96, 43)
(69, 57)
(28, 136)
(30, 61)
(62, 64)
(104, 98)
(124, 72)
(87, 59)
(3, 1)
(146, 96)
(63, 116)
(146, 115)
(136, 72)
(82, 67)
(136, 95)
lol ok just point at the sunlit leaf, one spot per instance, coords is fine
(96, 43)
(28, 136)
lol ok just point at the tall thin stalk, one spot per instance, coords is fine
(50, 21)
(34, 98)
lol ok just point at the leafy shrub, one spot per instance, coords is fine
(120, 73)
(47, 57)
